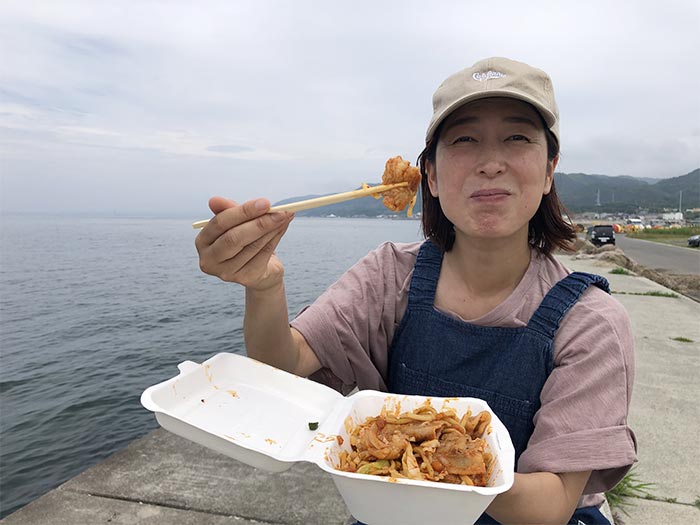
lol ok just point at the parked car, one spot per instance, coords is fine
(694, 241)
(601, 234)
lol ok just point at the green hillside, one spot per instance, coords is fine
(581, 192)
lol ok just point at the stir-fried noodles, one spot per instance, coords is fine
(423, 444)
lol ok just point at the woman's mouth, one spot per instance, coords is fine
(490, 194)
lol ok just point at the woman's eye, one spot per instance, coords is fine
(518, 138)
(463, 139)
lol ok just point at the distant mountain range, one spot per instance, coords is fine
(578, 191)
(581, 192)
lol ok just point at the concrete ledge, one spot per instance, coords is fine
(76, 509)
(171, 477)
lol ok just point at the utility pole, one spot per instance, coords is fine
(680, 202)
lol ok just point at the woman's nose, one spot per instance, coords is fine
(491, 162)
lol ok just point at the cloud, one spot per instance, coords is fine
(308, 96)
(616, 155)
(229, 148)
(88, 46)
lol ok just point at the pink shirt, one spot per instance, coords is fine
(582, 422)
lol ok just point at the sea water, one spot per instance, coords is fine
(94, 310)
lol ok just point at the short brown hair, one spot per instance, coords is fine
(547, 231)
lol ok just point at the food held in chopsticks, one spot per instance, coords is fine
(399, 186)
(399, 170)
(423, 444)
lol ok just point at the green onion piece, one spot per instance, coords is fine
(313, 426)
(371, 468)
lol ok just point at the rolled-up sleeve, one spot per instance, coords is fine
(582, 422)
(351, 325)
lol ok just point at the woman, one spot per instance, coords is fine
(480, 309)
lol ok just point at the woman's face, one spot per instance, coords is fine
(491, 168)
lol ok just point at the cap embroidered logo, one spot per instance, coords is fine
(488, 75)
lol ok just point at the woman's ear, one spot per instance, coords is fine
(432, 178)
(549, 177)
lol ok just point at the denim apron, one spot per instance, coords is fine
(433, 354)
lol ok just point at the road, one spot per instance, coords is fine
(661, 257)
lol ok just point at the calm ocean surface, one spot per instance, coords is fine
(93, 311)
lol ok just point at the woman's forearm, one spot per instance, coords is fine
(266, 330)
(539, 497)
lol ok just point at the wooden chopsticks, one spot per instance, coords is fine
(324, 201)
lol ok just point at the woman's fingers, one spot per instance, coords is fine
(219, 204)
(237, 244)
(230, 267)
(230, 243)
(258, 268)
(278, 236)
(262, 256)
(230, 217)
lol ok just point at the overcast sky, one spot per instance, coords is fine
(133, 107)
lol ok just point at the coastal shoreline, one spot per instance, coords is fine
(165, 479)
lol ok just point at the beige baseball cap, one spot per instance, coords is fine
(495, 77)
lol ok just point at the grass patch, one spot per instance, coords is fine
(682, 339)
(670, 232)
(673, 236)
(620, 271)
(619, 497)
(696, 503)
(681, 242)
(660, 294)
(651, 294)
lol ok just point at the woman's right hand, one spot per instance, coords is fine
(238, 244)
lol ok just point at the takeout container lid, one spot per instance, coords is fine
(260, 415)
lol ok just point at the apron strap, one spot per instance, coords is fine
(425, 275)
(561, 298)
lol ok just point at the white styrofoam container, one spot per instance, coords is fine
(260, 415)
